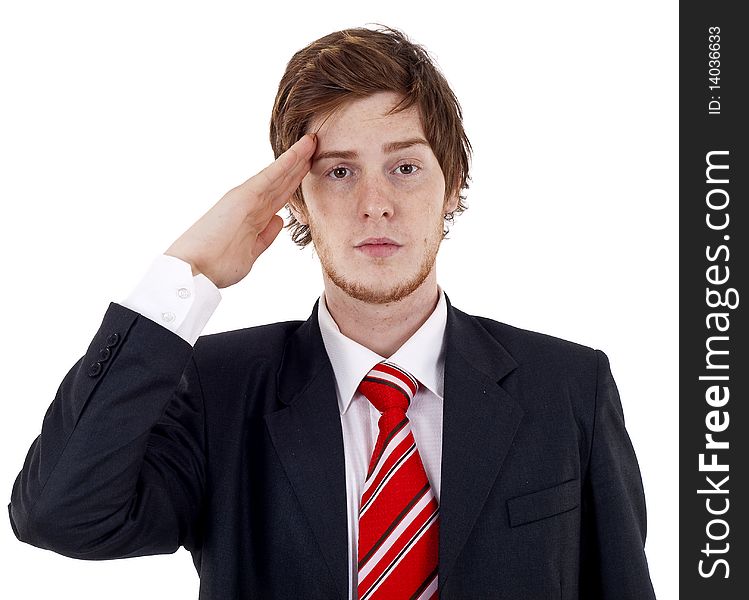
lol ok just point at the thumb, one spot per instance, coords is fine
(266, 236)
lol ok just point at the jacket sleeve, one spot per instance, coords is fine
(613, 562)
(119, 467)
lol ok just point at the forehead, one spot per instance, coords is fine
(367, 119)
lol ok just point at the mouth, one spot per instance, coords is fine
(378, 247)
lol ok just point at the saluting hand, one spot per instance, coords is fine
(225, 242)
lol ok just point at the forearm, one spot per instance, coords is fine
(89, 477)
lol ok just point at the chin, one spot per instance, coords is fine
(374, 292)
(378, 281)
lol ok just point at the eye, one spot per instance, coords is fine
(338, 172)
(407, 169)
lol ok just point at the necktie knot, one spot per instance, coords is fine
(388, 387)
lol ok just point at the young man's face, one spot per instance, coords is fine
(375, 200)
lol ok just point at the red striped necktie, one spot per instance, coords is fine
(399, 515)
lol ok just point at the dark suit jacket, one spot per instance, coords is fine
(234, 450)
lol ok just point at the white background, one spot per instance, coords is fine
(122, 122)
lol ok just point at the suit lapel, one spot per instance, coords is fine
(308, 439)
(479, 423)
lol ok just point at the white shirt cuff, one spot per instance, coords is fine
(169, 295)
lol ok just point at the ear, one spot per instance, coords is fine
(451, 203)
(453, 199)
(298, 209)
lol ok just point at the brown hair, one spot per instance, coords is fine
(356, 63)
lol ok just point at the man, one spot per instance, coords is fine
(390, 446)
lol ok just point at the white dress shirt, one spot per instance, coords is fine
(172, 297)
(423, 356)
(169, 295)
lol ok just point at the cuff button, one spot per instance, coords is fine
(113, 340)
(94, 369)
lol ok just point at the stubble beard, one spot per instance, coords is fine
(378, 295)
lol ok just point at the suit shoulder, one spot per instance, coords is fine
(262, 343)
(533, 347)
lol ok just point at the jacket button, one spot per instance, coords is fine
(104, 354)
(113, 340)
(94, 369)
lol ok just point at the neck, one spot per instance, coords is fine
(383, 328)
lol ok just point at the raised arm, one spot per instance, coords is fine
(119, 467)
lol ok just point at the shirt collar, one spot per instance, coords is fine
(422, 354)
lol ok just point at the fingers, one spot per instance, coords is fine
(290, 181)
(276, 177)
(263, 195)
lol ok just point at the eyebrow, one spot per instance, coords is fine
(386, 149)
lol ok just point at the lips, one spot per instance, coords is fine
(378, 247)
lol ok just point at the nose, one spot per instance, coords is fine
(375, 199)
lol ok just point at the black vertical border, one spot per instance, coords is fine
(700, 133)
